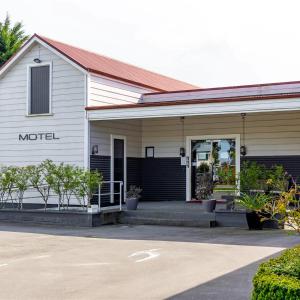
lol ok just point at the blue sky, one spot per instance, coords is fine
(207, 43)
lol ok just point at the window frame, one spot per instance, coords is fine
(28, 101)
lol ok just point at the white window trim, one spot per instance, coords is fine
(120, 137)
(189, 139)
(28, 100)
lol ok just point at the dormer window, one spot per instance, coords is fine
(39, 89)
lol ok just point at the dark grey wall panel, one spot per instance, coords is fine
(291, 163)
(134, 171)
(102, 164)
(40, 90)
(163, 179)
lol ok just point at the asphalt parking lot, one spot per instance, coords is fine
(137, 262)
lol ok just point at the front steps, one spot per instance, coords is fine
(167, 218)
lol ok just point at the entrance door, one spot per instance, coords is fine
(118, 167)
(214, 165)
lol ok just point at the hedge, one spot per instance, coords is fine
(279, 278)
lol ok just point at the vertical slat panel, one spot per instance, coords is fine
(102, 164)
(163, 179)
(40, 90)
(134, 171)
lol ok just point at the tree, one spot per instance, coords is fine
(12, 36)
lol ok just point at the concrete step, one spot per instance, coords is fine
(169, 214)
(167, 218)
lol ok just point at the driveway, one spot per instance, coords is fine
(137, 262)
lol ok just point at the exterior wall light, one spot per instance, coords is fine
(243, 149)
(182, 149)
(182, 152)
(95, 150)
(37, 60)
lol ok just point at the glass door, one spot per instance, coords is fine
(213, 166)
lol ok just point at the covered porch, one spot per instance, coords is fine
(163, 141)
(161, 154)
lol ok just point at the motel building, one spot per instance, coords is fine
(74, 106)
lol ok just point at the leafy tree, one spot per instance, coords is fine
(7, 181)
(87, 185)
(41, 178)
(21, 181)
(12, 36)
(71, 175)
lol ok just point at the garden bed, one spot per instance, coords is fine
(53, 217)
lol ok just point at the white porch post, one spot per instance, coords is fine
(86, 152)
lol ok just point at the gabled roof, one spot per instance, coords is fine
(103, 65)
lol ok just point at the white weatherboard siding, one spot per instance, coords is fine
(267, 134)
(101, 131)
(104, 91)
(67, 122)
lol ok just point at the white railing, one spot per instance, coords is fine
(111, 194)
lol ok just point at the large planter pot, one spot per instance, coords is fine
(209, 205)
(254, 221)
(132, 203)
(273, 224)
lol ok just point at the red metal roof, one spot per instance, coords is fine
(112, 68)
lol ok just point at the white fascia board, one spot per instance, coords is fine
(29, 44)
(220, 108)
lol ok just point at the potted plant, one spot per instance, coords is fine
(204, 187)
(132, 197)
(254, 205)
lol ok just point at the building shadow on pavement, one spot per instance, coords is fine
(218, 235)
(236, 285)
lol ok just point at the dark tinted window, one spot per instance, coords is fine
(40, 90)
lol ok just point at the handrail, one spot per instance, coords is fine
(111, 183)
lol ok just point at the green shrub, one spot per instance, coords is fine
(252, 176)
(48, 179)
(203, 168)
(253, 202)
(279, 278)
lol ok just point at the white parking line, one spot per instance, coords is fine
(92, 264)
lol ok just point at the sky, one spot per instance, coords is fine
(208, 43)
